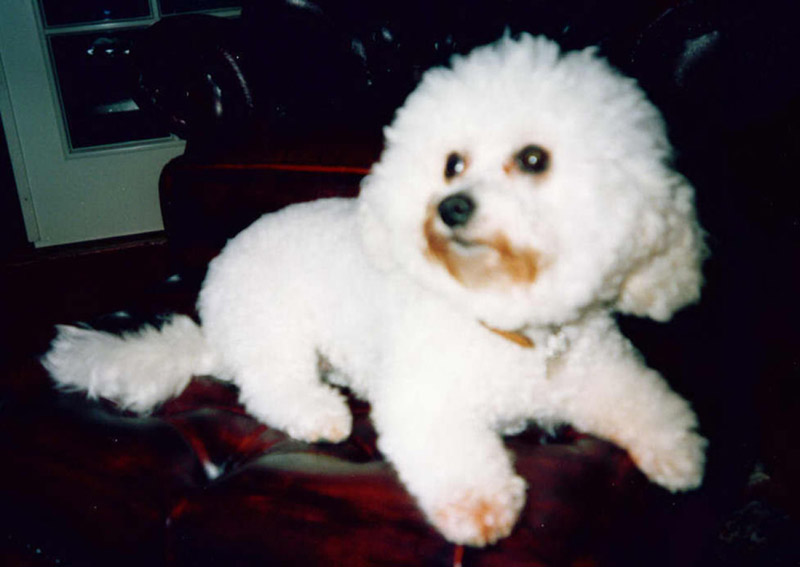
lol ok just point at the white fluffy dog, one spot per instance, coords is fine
(523, 197)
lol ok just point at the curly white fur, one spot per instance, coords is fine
(451, 330)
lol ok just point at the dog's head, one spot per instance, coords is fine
(530, 186)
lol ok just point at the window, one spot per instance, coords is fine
(86, 159)
(89, 45)
(60, 13)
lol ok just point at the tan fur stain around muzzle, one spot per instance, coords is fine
(492, 262)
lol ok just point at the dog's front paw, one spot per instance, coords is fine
(326, 419)
(676, 465)
(481, 516)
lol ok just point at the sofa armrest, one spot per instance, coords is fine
(204, 204)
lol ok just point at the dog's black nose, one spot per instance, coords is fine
(456, 210)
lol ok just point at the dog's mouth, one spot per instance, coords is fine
(466, 244)
(479, 262)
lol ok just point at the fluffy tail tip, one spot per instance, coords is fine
(137, 370)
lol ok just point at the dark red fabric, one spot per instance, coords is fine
(200, 482)
(342, 504)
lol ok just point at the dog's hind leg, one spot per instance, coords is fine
(283, 389)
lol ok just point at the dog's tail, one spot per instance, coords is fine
(137, 370)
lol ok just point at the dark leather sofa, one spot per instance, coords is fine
(286, 104)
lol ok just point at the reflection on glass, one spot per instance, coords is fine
(178, 6)
(96, 81)
(70, 12)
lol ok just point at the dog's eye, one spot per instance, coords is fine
(533, 159)
(456, 164)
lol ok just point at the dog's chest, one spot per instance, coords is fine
(515, 380)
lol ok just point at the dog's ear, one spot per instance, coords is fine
(668, 275)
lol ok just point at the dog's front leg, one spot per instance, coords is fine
(456, 467)
(606, 389)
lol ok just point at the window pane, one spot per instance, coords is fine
(177, 6)
(96, 81)
(68, 12)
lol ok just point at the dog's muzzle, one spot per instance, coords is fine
(456, 210)
(475, 260)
